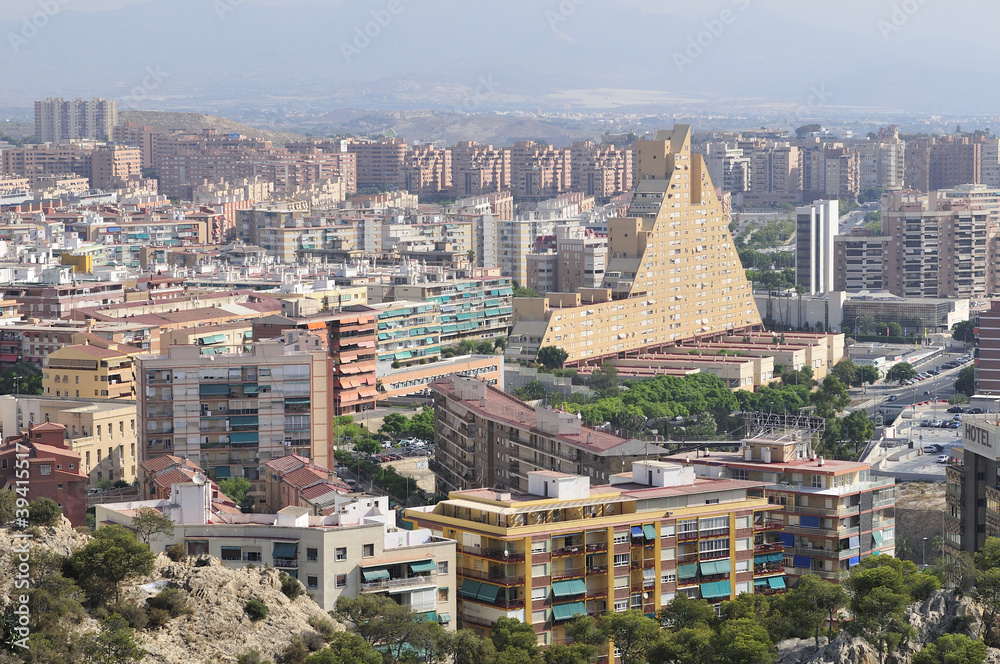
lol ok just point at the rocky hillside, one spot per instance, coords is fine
(217, 629)
(195, 122)
(939, 614)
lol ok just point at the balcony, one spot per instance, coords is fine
(597, 593)
(597, 570)
(767, 525)
(568, 573)
(395, 584)
(597, 548)
(772, 547)
(570, 551)
(687, 536)
(768, 570)
(494, 554)
(499, 579)
(286, 562)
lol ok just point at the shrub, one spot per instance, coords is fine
(294, 653)
(291, 586)
(171, 600)
(176, 552)
(44, 512)
(158, 618)
(134, 613)
(324, 627)
(396, 364)
(255, 610)
(251, 657)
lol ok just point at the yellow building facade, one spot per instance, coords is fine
(673, 272)
(86, 371)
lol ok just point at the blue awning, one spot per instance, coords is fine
(637, 531)
(809, 521)
(805, 562)
(854, 560)
(716, 590)
(788, 539)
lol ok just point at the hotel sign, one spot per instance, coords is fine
(980, 439)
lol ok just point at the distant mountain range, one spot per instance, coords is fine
(220, 55)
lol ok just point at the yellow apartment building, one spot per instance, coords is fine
(86, 371)
(565, 548)
(672, 273)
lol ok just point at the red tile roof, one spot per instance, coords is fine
(287, 463)
(304, 477)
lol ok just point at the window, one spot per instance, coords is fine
(741, 474)
(668, 577)
(312, 555)
(232, 553)
(45, 470)
(252, 556)
(636, 600)
(715, 523)
(341, 581)
(713, 546)
(341, 553)
(621, 560)
(540, 593)
(621, 605)
(312, 581)
(442, 594)
(368, 551)
(817, 481)
(443, 567)
(621, 538)
(667, 531)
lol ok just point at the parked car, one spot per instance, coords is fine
(929, 449)
(976, 411)
(937, 447)
(954, 424)
(943, 458)
(956, 409)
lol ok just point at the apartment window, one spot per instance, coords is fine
(668, 577)
(540, 593)
(312, 581)
(621, 538)
(817, 482)
(341, 581)
(667, 531)
(443, 567)
(368, 551)
(45, 470)
(741, 474)
(340, 553)
(252, 556)
(312, 555)
(442, 594)
(636, 600)
(232, 553)
(621, 560)
(713, 546)
(621, 605)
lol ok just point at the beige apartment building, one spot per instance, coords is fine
(539, 171)
(378, 161)
(479, 169)
(58, 120)
(101, 431)
(673, 272)
(355, 550)
(426, 171)
(599, 170)
(231, 413)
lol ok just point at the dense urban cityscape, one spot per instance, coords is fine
(699, 382)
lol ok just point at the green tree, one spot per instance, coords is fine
(238, 489)
(44, 512)
(511, 635)
(110, 558)
(521, 291)
(858, 429)
(878, 601)
(552, 357)
(387, 626)
(631, 632)
(895, 329)
(814, 601)
(847, 372)
(900, 372)
(743, 641)
(865, 324)
(346, 648)
(500, 343)
(604, 380)
(952, 649)
(23, 377)
(255, 609)
(964, 331)
(8, 506)
(422, 425)
(114, 643)
(966, 383)
(467, 647)
(394, 424)
(688, 645)
(868, 374)
(148, 523)
(485, 347)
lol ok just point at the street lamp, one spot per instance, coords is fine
(923, 553)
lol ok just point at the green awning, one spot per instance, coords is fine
(716, 590)
(231, 548)
(567, 611)
(687, 571)
(716, 567)
(649, 531)
(222, 472)
(244, 437)
(382, 336)
(492, 312)
(403, 355)
(423, 566)
(212, 339)
(248, 334)
(285, 550)
(297, 401)
(444, 618)
(464, 316)
(776, 582)
(877, 534)
(568, 588)
(244, 420)
(213, 390)
(429, 616)
(759, 582)
(294, 573)
(250, 388)
(488, 592)
(469, 588)
(374, 574)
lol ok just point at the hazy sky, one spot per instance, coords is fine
(926, 55)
